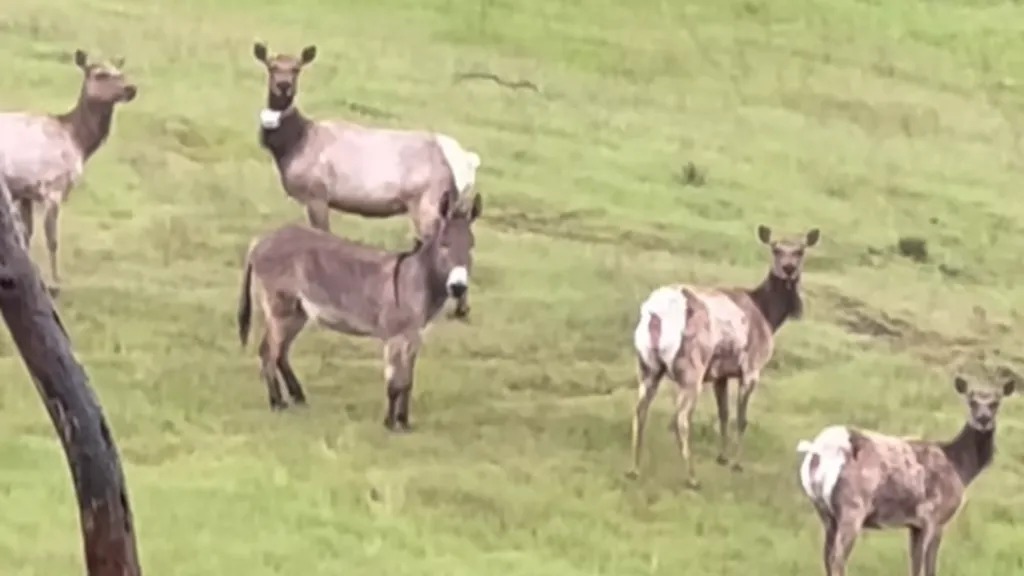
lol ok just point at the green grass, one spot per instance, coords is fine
(871, 120)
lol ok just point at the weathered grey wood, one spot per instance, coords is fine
(106, 519)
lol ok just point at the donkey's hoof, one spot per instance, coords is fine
(722, 460)
(53, 290)
(300, 402)
(632, 474)
(278, 405)
(693, 484)
(737, 467)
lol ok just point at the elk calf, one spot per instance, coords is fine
(372, 172)
(304, 274)
(860, 479)
(695, 334)
(42, 157)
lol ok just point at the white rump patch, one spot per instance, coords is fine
(459, 276)
(832, 450)
(270, 119)
(670, 306)
(462, 163)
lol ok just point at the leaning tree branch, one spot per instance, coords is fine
(512, 84)
(105, 515)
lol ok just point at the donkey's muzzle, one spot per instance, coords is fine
(458, 282)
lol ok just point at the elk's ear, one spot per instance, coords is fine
(308, 54)
(81, 59)
(1009, 387)
(478, 207)
(118, 62)
(764, 234)
(259, 51)
(960, 385)
(812, 237)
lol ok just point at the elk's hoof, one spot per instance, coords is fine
(53, 290)
(278, 405)
(632, 474)
(693, 484)
(300, 401)
(737, 467)
(722, 460)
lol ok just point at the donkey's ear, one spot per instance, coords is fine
(259, 51)
(960, 385)
(764, 234)
(308, 54)
(444, 206)
(478, 207)
(81, 59)
(1009, 387)
(812, 237)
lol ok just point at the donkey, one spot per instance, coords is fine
(695, 334)
(307, 274)
(860, 479)
(372, 172)
(42, 156)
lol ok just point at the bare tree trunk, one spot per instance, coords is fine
(106, 518)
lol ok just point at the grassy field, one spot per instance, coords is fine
(871, 120)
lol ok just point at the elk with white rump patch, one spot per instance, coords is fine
(302, 274)
(860, 479)
(371, 172)
(695, 334)
(42, 157)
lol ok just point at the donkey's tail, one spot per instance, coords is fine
(245, 299)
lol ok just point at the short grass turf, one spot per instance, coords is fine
(662, 135)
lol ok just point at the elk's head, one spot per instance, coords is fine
(788, 255)
(104, 83)
(983, 403)
(282, 79)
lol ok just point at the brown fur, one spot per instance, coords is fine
(337, 165)
(729, 333)
(890, 482)
(302, 273)
(42, 156)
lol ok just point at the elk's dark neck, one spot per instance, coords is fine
(970, 452)
(778, 300)
(287, 139)
(89, 124)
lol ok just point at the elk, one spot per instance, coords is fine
(858, 479)
(695, 334)
(340, 165)
(302, 273)
(42, 157)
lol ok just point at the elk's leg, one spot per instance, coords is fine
(931, 553)
(290, 329)
(722, 400)
(398, 377)
(689, 381)
(845, 536)
(319, 215)
(830, 537)
(25, 209)
(648, 381)
(51, 227)
(748, 383)
(268, 371)
(916, 546)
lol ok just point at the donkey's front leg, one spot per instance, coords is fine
(399, 358)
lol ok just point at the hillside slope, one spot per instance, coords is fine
(872, 122)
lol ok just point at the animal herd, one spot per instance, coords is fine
(690, 334)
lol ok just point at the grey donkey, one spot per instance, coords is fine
(302, 273)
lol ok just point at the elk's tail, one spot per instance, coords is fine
(823, 460)
(659, 333)
(245, 300)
